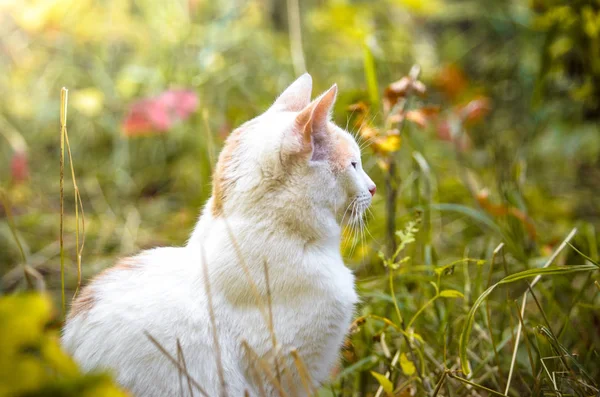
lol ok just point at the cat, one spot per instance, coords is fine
(259, 300)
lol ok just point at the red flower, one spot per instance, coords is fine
(158, 114)
(19, 167)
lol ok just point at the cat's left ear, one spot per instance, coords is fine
(296, 97)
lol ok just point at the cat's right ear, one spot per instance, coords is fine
(296, 97)
(309, 132)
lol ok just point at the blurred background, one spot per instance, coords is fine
(502, 144)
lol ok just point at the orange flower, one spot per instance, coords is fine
(452, 81)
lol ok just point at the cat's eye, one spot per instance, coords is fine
(354, 163)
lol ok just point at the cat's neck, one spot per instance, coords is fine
(318, 227)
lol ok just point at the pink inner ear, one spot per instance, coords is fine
(297, 96)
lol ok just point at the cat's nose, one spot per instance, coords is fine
(372, 190)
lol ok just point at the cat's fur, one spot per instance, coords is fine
(283, 184)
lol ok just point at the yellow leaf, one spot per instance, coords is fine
(591, 24)
(408, 368)
(423, 7)
(388, 388)
(451, 293)
(387, 144)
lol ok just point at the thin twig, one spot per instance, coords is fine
(391, 184)
(440, 383)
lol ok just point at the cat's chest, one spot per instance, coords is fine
(321, 305)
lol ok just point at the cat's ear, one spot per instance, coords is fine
(296, 97)
(310, 126)
(322, 111)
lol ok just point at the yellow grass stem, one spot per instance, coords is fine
(79, 213)
(78, 207)
(63, 130)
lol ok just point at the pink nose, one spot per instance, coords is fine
(372, 190)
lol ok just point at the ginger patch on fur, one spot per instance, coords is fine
(85, 301)
(341, 152)
(221, 181)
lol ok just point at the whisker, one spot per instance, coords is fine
(344, 217)
(370, 213)
(354, 228)
(347, 208)
(367, 142)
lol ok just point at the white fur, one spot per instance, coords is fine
(286, 216)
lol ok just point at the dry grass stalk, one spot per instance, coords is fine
(181, 360)
(176, 363)
(79, 220)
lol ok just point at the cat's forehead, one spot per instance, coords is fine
(344, 139)
(344, 149)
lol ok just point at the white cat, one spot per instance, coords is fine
(282, 187)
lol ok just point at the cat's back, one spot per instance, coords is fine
(109, 321)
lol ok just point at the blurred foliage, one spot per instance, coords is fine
(571, 52)
(31, 361)
(495, 140)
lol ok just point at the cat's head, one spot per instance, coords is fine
(293, 163)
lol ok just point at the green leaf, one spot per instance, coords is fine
(468, 325)
(451, 293)
(371, 75)
(584, 255)
(388, 388)
(408, 368)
